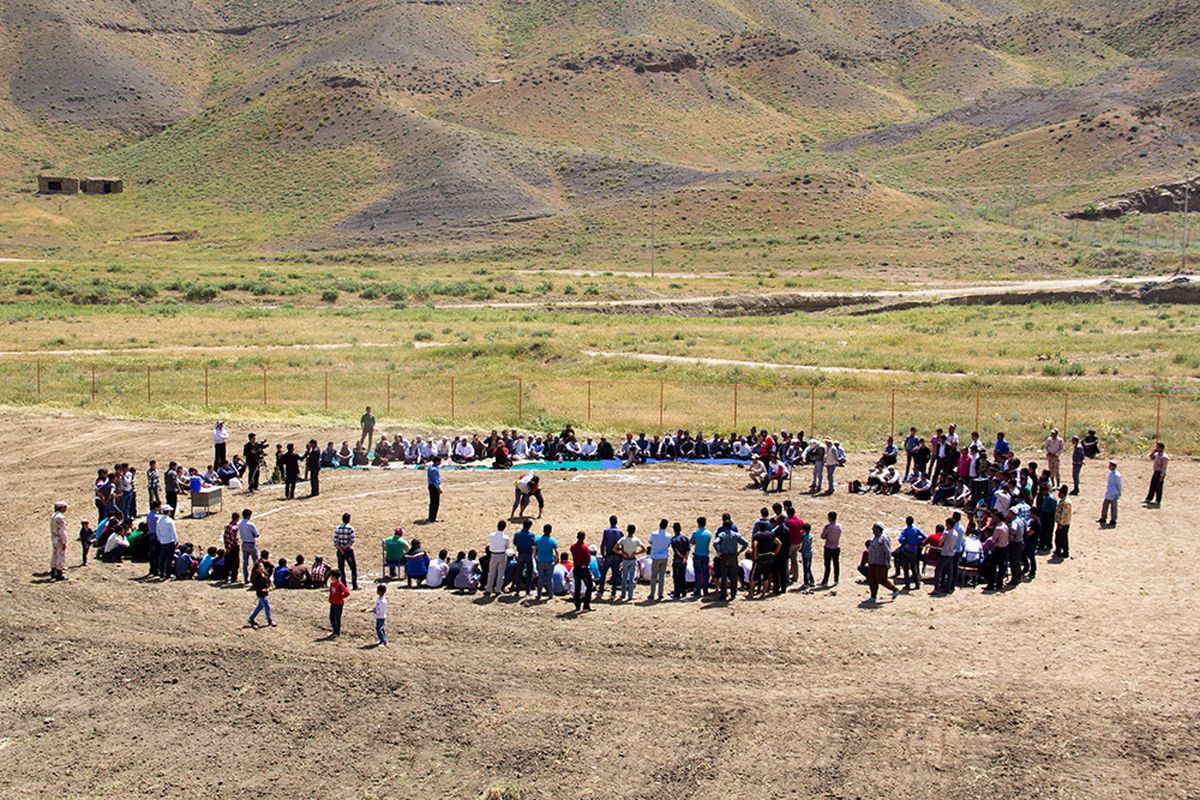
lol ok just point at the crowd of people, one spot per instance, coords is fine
(1004, 515)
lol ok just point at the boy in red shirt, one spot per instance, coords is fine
(337, 600)
(581, 555)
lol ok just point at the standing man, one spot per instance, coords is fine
(879, 559)
(1078, 456)
(630, 547)
(1054, 448)
(167, 540)
(232, 548)
(1017, 528)
(368, 429)
(831, 534)
(581, 557)
(944, 573)
(911, 539)
(433, 477)
(58, 541)
(1062, 525)
(343, 542)
(729, 545)
(220, 439)
(248, 534)
(498, 560)
(660, 551)
(680, 548)
(1112, 493)
(312, 467)
(911, 443)
(1158, 460)
(610, 559)
(171, 484)
(252, 451)
(701, 540)
(547, 556)
(524, 543)
(290, 462)
(835, 457)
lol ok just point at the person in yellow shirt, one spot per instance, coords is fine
(1062, 525)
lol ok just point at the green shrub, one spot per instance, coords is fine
(329, 296)
(423, 336)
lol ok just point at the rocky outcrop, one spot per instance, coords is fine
(1158, 199)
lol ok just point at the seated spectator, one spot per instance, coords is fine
(115, 545)
(890, 452)
(359, 459)
(329, 457)
(467, 578)
(416, 563)
(299, 576)
(439, 570)
(211, 477)
(218, 572)
(889, 481)
(777, 473)
(560, 579)
(320, 573)
(282, 574)
(345, 455)
(226, 473)
(501, 458)
(195, 481)
(394, 549)
(757, 472)
(464, 452)
(205, 567)
(1091, 444)
(588, 450)
(383, 452)
(185, 563)
(604, 450)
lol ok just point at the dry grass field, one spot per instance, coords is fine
(1080, 684)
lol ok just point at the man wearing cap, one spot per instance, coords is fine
(167, 539)
(1078, 456)
(1054, 448)
(58, 541)
(835, 457)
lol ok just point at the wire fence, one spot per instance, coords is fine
(859, 416)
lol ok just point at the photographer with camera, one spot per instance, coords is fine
(254, 452)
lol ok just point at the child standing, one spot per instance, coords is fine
(86, 537)
(153, 483)
(337, 601)
(381, 614)
(806, 555)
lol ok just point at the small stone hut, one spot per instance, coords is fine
(102, 186)
(53, 185)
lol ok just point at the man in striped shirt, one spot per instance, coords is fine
(232, 548)
(343, 542)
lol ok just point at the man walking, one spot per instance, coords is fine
(1112, 493)
(248, 534)
(1158, 460)
(433, 475)
(879, 559)
(581, 557)
(368, 429)
(1078, 456)
(58, 541)
(498, 560)
(343, 542)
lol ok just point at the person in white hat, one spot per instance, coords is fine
(58, 541)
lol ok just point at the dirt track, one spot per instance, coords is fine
(1083, 683)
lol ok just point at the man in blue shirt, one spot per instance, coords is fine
(434, 476)
(729, 545)
(547, 555)
(911, 443)
(523, 543)
(701, 540)
(660, 551)
(911, 539)
(610, 559)
(1001, 450)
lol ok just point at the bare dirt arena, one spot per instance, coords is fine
(1084, 683)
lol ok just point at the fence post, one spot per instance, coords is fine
(520, 399)
(589, 407)
(977, 409)
(389, 392)
(326, 391)
(735, 405)
(264, 369)
(93, 383)
(660, 404)
(39, 379)
(205, 385)
(1157, 417)
(147, 383)
(893, 433)
(1066, 397)
(452, 398)
(812, 410)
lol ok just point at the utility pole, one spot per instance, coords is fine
(652, 233)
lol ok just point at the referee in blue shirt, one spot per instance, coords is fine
(435, 487)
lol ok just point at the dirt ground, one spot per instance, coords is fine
(1083, 683)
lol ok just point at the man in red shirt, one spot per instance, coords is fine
(581, 556)
(337, 601)
(795, 527)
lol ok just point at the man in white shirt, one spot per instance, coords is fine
(438, 570)
(498, 543)
(220, 438)
(1054, 448)
(588, 449)
(164, 528)
(1112, 493)
(248, 534)
(464, 453)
